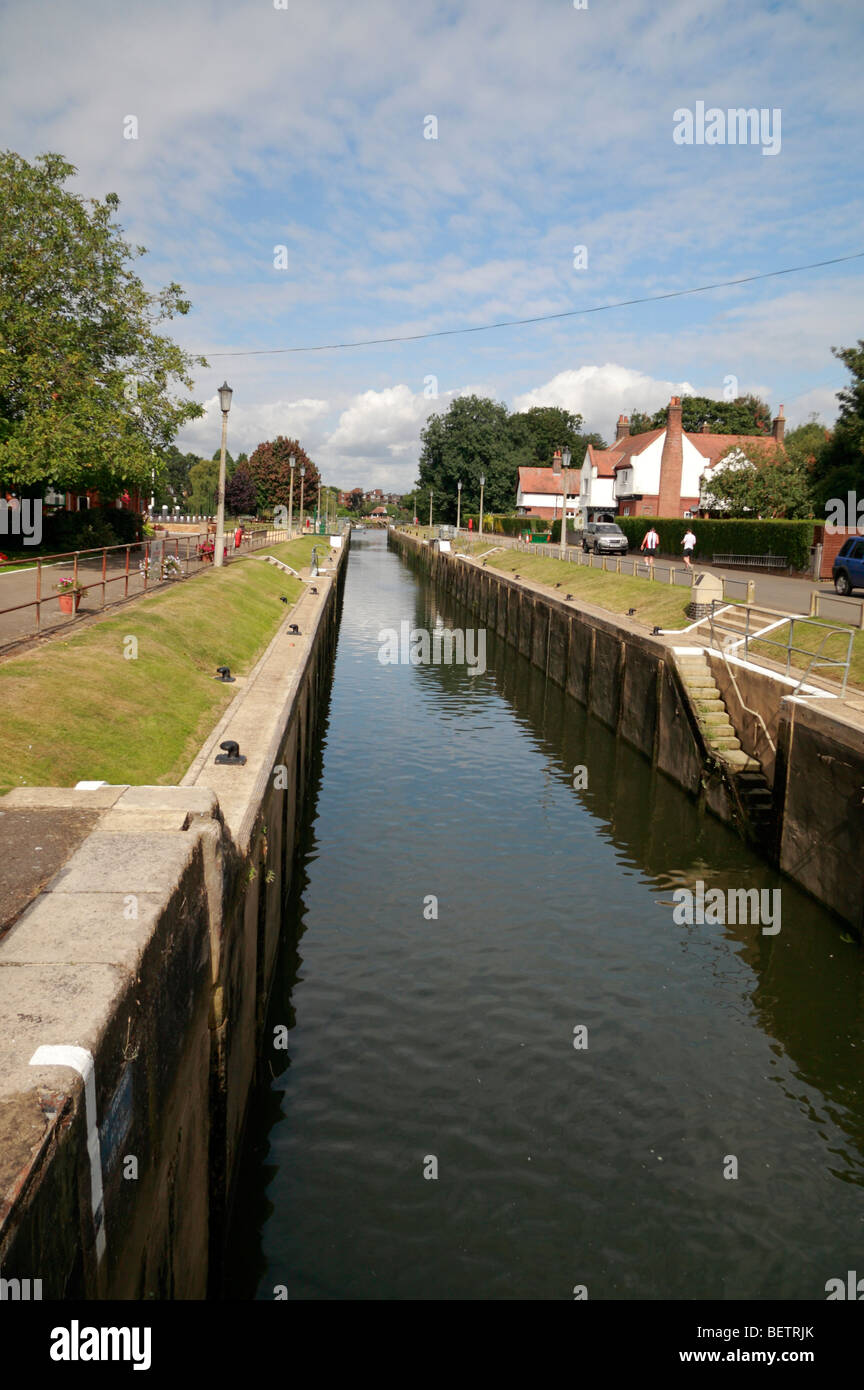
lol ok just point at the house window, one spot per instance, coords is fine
(82, 502)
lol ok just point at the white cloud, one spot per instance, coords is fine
(601, 394)
(821, 401)
(250, 425)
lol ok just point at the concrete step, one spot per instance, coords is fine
(724, 743)
(711, 706)
(713, 719)
(738, 759)
(703, 683)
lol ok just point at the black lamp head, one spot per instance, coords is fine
(224, 673)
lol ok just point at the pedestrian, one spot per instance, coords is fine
(650, 542)
(689, 544)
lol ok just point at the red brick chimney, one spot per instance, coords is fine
(671, 463)
(779, 426)
(623, 428)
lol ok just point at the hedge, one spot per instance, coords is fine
(508, 525)
(790, 539)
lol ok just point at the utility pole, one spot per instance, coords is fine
(431, 495)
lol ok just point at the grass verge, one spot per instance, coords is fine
(657, 604)
(79, 708)
(664, 605)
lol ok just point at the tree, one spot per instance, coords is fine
(86, 381)
(757, 481)
(744, 415)
(241, 495)
(270, 468)
(174, 472)
(204, 487)
(838, 466)
(471, 438)
(357, 500)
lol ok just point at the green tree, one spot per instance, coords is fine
(87, 383)
(768, 484)
(744, 415)
(204, 487)
(839, 466)
(357, 500)
(470, 438)
(174, 473)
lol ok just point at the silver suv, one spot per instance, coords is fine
(604, 538)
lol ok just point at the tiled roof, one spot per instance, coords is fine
(543, 480)
(714, 446)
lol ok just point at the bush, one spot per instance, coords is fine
(86, 530)
(508, 525)
(790, 539)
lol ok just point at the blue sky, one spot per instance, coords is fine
(304, 127)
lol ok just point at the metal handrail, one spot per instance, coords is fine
(189, 541)
(816, 658)
(746, 708)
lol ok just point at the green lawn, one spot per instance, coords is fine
(656, 604)
(77, 708)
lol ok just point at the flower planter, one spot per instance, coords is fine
(69, 602)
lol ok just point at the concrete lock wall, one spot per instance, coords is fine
(153, 951)
(812, 757)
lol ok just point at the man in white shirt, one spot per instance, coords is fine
(650, 542)
(689, 544)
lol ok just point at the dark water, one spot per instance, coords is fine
(453, 1037)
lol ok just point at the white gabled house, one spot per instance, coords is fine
(663, 472)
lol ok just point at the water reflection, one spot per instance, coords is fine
(452, 1036)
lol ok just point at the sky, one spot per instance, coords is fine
(328, 172)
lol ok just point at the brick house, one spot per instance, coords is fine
(664, 472)
(538, 493)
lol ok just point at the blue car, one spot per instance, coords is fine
(848, 569)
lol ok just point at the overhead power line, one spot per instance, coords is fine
(539, 318)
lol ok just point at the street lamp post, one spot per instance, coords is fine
(302, 486)
(565, 473)
(431, 495)
(482, 485)
(225, 394)
(292, 460)
(458, 504)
